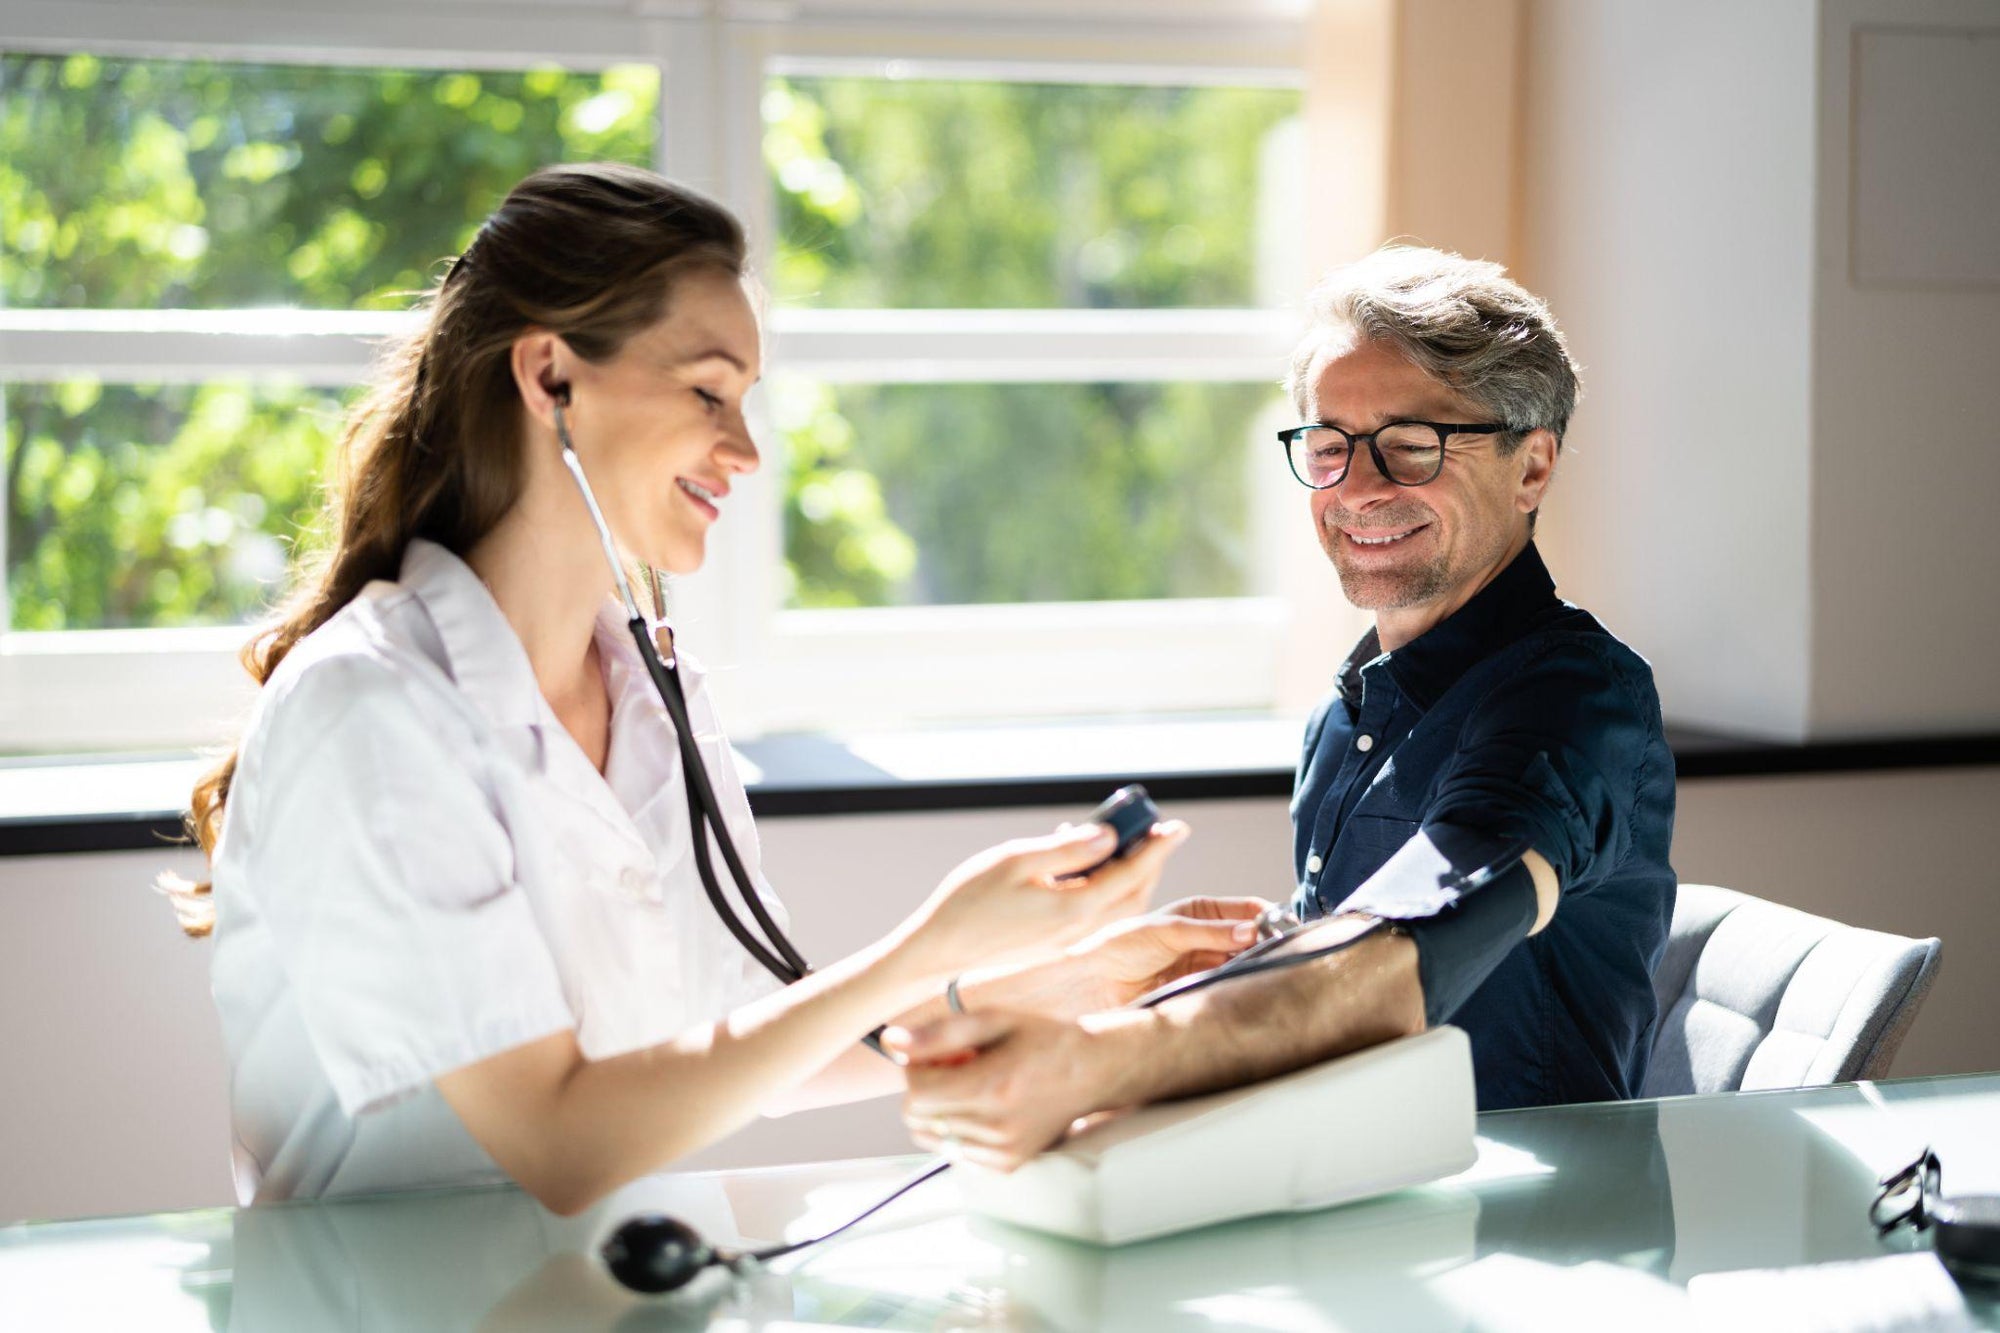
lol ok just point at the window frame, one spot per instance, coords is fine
(149, 689)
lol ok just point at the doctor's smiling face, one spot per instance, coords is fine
(659, 425)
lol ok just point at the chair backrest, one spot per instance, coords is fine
(1755, 995)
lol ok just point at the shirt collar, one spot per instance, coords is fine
(491, 668)
(631, 684)
(1428, 665)
(482, 652)
(1348, 681)
(485, 656)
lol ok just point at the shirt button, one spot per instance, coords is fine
(1313, 863)
(633, 881)
(1364, 743)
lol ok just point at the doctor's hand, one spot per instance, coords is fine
(996, 1088)
(1030, 897)
(1126, 959)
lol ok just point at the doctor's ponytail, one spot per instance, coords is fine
(435, 449)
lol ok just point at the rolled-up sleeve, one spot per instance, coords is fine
(1549, 760)
(386, 879)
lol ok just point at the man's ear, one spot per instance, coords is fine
(1536, 456)
(540, 361)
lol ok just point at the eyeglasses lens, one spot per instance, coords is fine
(1411, 454)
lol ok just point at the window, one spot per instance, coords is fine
(200, 185)
(900, 192)
(145, 506)
(929, 193)
(970, 493)
(1026, 320)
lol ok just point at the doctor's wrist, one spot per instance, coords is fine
(914, 972)
(1054, 988)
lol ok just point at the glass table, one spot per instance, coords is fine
(1684, 1212)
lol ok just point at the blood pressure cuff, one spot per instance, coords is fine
(1465, 900)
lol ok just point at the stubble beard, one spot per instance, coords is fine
(1385, 589)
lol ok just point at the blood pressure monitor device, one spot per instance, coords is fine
(1381, 1119)
(1130, 813)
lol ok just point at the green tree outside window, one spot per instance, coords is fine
(171, 184)
(164, 184)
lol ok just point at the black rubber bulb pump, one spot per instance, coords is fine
(654, 1253)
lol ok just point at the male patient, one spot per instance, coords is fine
(1485, 798)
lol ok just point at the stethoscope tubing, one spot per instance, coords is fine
(775, 951)
(782, 959)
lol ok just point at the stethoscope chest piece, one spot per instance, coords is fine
(654, 1253)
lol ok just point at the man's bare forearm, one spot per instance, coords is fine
(1243, 1031)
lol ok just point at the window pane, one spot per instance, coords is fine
(194, 184)
(916, 193)
(134, 505)
(931, 494)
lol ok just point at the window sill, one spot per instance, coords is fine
(130, 802)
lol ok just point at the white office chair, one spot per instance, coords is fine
(1753, 995)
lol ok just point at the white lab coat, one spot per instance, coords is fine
(419, 868)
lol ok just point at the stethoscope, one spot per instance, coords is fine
(774, 951)
(654, 1253)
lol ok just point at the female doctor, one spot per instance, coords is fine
(459, 931)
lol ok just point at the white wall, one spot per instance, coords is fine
(1667, 209)
(1893, 851)
(1768, 230)
(1906, 438)
(112, 1090)
(113, 1094)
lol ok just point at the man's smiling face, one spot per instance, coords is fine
(1415, 554)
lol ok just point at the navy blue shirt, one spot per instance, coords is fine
(1520, 720)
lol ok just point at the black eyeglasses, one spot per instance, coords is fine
(1965, 1228)
(1409, 453)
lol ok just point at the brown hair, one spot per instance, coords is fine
(435, 450)
(1462, 321)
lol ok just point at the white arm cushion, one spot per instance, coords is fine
(1393, 1115)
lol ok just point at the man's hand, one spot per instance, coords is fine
(1128, 958)
(996, 1088)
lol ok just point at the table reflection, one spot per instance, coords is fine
(1271, 1272)
(1574, 1217)
(485, 1259)
(1612, 1199)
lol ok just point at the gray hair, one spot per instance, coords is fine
(1461, 321)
